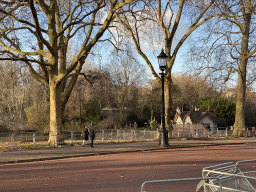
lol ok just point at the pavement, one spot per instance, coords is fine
(31, 155)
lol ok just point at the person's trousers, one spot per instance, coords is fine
(92, 138)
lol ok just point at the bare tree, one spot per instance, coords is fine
(168, 22)
(189, 89)
(228, 51)
(12, 95)
(127, 78)
(38, 32)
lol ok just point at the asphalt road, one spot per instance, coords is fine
(123, 172)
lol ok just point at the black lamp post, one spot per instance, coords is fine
(163, 133)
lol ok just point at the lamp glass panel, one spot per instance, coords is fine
(162, 62)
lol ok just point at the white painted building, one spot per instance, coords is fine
(205, 118)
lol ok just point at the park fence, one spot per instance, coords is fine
(195, 131)
(39, 139)
(31, 140)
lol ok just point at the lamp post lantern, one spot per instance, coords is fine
(163, 133)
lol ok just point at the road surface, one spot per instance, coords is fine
(123, 172)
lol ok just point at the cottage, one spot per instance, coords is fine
(195, 120)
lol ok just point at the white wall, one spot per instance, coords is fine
(179, 121)
(207, 120)
(188, 120)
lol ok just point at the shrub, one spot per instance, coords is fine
(153, 124)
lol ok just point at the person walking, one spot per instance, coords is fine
(86, 135)
(92, 133)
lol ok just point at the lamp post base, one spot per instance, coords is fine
(163, 138)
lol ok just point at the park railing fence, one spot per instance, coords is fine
(32, 140)
(195, 131)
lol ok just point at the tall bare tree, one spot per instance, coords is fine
(229, 50)
(175, 19)
(38, 32)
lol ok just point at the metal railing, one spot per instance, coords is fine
(232, 177)
(29, 139)
(26, 139)
(175, 180)
(199, 131)
(226, 177)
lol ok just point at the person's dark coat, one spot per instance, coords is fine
(86, 134)
(92, 131)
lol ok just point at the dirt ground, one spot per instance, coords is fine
(122, 172)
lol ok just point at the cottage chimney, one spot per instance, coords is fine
(178, 110)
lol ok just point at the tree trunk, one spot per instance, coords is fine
(55, 114)
(168, 102)
(239, 126)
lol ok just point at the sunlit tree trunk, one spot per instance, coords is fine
(168, 102)
(239, 126)
(168, 90)
(55, 114)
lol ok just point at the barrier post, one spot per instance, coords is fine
(72, 137)
(34, 139)
(12, 139)
(102, 135)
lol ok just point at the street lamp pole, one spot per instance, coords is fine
(163, 133)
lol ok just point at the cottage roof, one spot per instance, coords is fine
(221, 122)
(196, 116)
(182, 115)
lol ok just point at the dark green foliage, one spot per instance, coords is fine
(146, 111)
(222, 108)
(132, 117)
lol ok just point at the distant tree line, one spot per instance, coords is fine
(126, 98)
